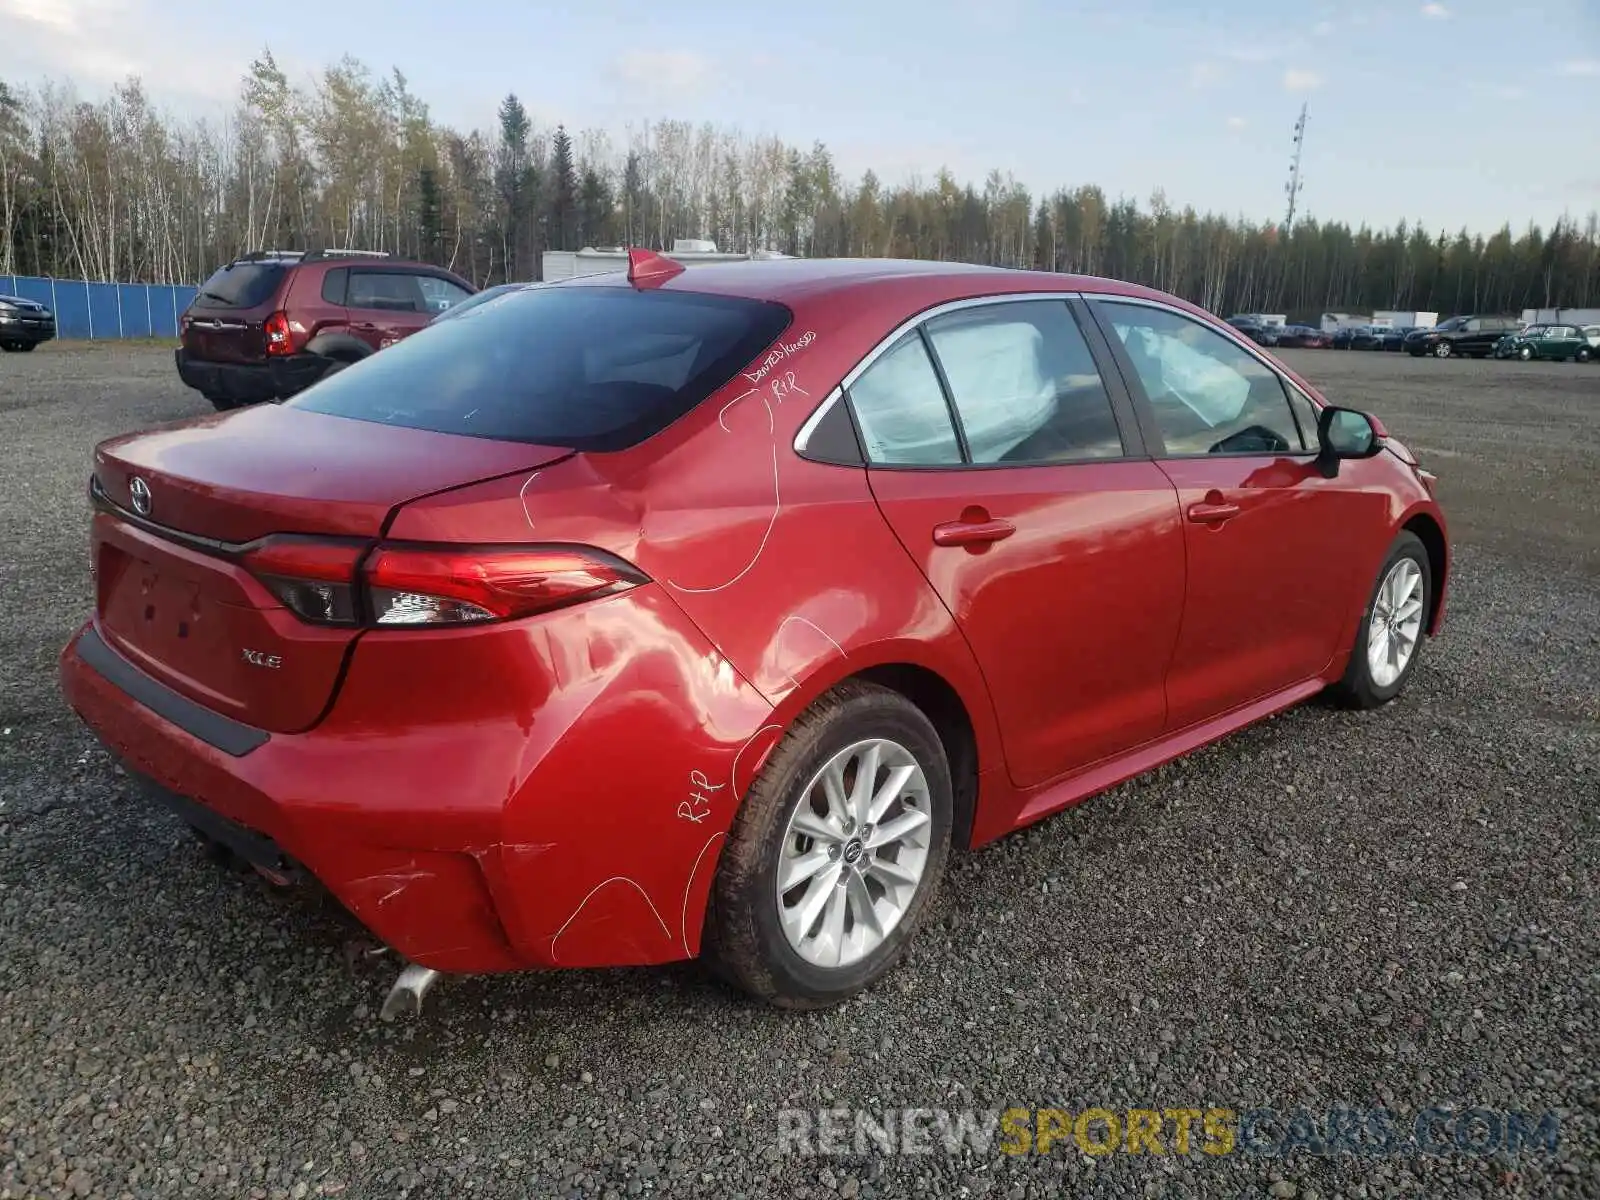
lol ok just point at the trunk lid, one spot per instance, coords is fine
(224, 337)
(171, 594)
(226, 321)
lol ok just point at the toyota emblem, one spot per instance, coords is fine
(139, 493)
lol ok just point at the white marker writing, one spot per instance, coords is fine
(780, 352)
(698, 806)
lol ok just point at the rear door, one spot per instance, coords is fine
(1275, 550)
(997, 455)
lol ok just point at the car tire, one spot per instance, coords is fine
(1406, 580)
(1441, 350)
(10, 347)
(1525, 353)
(1584, 354)
(768, 943)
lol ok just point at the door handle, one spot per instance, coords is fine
(1213, 512)
(972, 533)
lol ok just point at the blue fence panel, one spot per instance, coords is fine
(105, 319)
(72, 310)
(133, 305)
(106, 310)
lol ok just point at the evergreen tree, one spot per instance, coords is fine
(561, 205)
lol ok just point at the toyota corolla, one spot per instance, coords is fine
(704, 613)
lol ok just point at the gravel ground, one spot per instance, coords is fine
(1394, 908)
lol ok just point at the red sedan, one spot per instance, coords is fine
(639, 618)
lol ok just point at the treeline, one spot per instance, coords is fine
(115, 190)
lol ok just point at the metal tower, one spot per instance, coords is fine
(1292, 188)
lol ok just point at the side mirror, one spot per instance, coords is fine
(1345, 433)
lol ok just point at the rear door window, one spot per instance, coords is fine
(1025, 385)
(901, 409)
(242, 285)
(591, 367)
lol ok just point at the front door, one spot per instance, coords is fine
(1274, 549)
(997, 458)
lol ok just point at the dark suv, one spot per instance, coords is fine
(1470, 337)
(24, 323)
(272, 323)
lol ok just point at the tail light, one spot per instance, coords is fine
(313, 577)
(342, 583)
(276, 327)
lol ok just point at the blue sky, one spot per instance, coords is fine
(1456, 112)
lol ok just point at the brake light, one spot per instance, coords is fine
(451, 586)
(276, 327)
(325, 581)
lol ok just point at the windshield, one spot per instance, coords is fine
(583, 366)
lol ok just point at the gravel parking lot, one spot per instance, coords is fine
(1395, 908)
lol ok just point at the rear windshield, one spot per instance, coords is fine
(582, 366)
(242, 285)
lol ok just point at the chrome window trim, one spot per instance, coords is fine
(905, 327)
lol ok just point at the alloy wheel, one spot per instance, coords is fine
(854, 853)
(1396, 623)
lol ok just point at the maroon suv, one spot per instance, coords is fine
(274, 322)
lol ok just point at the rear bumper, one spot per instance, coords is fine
(432, 907)
(521, 809)
(250, 383)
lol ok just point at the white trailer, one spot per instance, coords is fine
(1333, 322)
(1405, 320)
(1561, 316)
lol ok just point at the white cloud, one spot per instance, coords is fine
(663, 73)
(1581, 66)
(1322, 28)
(1237, 122)
(1254, 52)
(98, 43)
(1297, 79)
(1435, 10)
(1204, 74)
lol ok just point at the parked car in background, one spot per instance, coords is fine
(1303, 337)
(24, 324)
(272, 323)
(1465, 336)
(1393, 338)
(1254, 328)
(1591, 334)
(1556, 342)
(673, 613)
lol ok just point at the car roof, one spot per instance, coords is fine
(807, 280)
